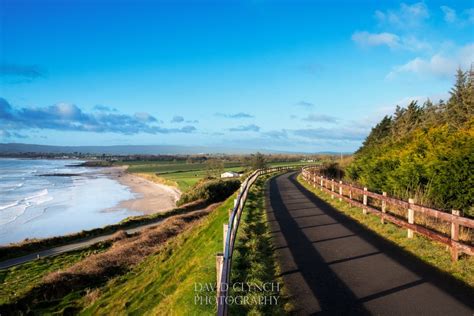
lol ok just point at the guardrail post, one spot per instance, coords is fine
(340, 191)
(219, 262)
(364, 210)
(455, 237)
(322, 182)
(350, 191)
(411, 217)
(314, 180)
(226, 229)
(332, 188)
(384, 208)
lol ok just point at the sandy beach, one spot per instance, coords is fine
(152, 197)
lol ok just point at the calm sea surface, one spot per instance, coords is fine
(34, 206)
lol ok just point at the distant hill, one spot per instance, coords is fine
(18, 148)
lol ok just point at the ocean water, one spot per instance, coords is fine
(34, 206)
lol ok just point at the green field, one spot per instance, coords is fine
(187, 179)
(184, 175)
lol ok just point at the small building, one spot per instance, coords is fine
(230, 174)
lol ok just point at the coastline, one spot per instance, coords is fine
(151, 197)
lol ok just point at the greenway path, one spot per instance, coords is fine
(83, 243)
(333, 265)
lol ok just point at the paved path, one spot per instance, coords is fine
(332, 265)
(66, 248)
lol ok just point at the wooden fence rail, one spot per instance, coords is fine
(346, 192)
(224, 260)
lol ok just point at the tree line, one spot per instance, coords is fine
(424, 151)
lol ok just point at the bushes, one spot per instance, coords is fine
(424, 152)
(211, 191)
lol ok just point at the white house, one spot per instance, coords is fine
(230, 174)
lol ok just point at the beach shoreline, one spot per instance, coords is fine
(150, 197)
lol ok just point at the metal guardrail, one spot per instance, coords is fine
(224, 260)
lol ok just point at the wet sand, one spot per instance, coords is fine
(152, 197)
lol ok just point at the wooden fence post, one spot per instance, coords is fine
(364, 210)
(322, 182)
(454, 236)
(340, 191)
(350, 191)
(384, 208)
(411, 217)
(226, 229)
(332, 188)
(219, 261)
(314, 180)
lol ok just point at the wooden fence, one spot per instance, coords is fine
(347, 192)
(224, 260)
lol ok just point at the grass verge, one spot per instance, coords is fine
(427, 250)
(173, 281)
(254, 261)
(18, 280)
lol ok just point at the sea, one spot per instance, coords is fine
(33, 205)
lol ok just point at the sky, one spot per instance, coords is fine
(302, 76)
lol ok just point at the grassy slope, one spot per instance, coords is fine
(164, 283)
(254, 260)
(429, 251)
(18, 280)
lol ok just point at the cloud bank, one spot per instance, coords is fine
(320, 118)
(245, 128)
(69, 117)
(235, 116)
(439, 65)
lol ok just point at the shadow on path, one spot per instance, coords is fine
(333, 265)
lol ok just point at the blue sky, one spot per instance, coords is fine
(284, 75)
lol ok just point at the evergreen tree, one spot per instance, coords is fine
(459, 106)
(426, 152)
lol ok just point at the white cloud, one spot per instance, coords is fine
(449, 14)
(466, 17)
(407, 16)
(376, 39)
(414, 44)
(320, 118)
(439, 65)
(390, 40)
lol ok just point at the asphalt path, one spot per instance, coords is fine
(68, 247)
(332, 265)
